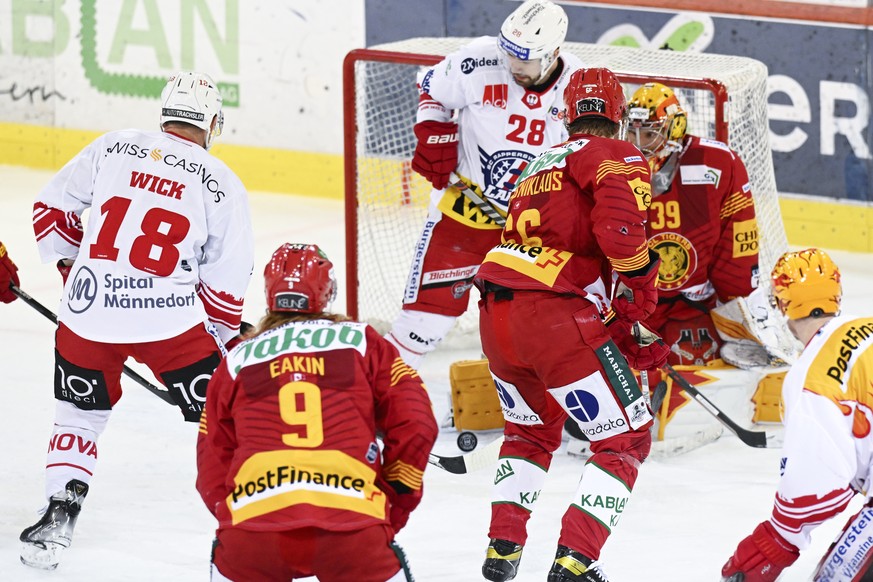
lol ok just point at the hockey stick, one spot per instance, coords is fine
(161, 393)
(481, 203)
(753, 438)
(487, 456)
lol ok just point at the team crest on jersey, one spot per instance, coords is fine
(532, 100)
(495, 95)
(501, 172)
(678, 259)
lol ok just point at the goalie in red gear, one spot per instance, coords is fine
(701, 223)
(577, 216)
(287, 457)
(484, 113)
(826, 457)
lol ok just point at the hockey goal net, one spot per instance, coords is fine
(386, 202)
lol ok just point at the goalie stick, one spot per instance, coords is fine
(161, 393)
(487, 456)
(481, 203)
(753, 438)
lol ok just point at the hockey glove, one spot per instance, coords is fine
(436, 155)
(637, 294)
(64, 268)
(402, 500)
(8, 276)
(640, 355)
(761, 557)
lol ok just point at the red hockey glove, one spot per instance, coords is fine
(761, 557)
(436, 155)
(640, 355)
(402, 501)
(8, 276)
(64, 268)
(637, 294)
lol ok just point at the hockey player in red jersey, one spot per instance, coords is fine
(701, 223)
(484, 113)
(826, 459)
(576, 223)
(158, 274)
(288, 459)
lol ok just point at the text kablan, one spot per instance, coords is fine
(289, 475)
(852, 340)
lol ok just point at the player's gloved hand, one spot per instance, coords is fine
(761, 557)
(641, 354)
(8, 276)
(637, 295)
(436, 155)
(402, 500)
(245, 332)
(64, 268)
(402, 505)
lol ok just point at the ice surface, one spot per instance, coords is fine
(143, 519)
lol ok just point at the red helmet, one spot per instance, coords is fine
(299, 278)
(594, 92)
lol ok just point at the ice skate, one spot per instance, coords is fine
(43, 542)
(501, 560)
(571, 566)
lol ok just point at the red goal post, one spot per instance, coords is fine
(386, 203)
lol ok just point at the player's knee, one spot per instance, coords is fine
(633, 446)
(417, 333)
(68, 414)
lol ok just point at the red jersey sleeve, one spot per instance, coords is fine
(404, 417)
(734, 267)
(622, 195)
(216, 440)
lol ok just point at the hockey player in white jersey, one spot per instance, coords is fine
(828, 452)
(158, 273)
(484, 113)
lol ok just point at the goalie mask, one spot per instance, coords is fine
(530, 38)
(193, 98)
(299, 279)
(594, 93)
(657, 123)
(806, 283)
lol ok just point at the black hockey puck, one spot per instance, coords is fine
(467, 441)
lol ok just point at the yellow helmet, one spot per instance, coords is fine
(806, 283)
(657, 122)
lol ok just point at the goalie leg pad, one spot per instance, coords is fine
(475, 403)
(769, 406)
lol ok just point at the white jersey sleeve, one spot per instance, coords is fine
(828, 453)
(167, 242)
(503, 126)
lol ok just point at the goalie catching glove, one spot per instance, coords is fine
(8, 276)
(436, 155)
(637, 294)
(760, 557)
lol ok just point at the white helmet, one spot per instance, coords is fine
(534, 31)
(195, 99)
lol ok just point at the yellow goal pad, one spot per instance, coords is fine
(475, 405)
